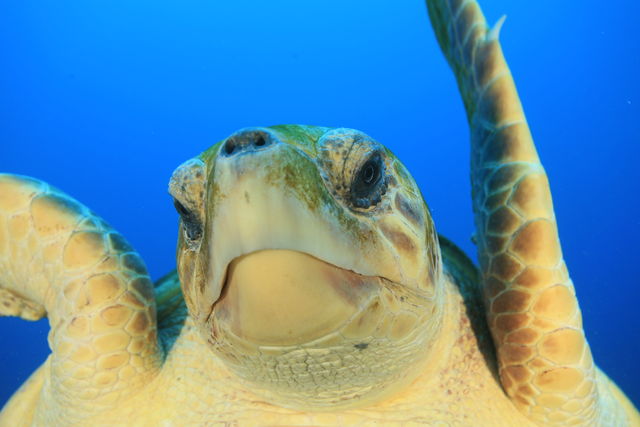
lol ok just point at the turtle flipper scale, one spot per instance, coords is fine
(544, 359)
(58, 258)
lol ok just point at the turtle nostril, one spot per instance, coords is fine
(260, 141)
(248, 140)
(229, 147)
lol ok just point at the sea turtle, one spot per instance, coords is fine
(312, 287)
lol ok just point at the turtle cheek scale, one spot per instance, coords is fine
(310, 304)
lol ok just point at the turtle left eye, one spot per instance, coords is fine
(369, 183)
(190, 221)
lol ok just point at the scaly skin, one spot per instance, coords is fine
(57, 258)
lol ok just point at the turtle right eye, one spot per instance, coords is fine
(369, 183)
(190, 221)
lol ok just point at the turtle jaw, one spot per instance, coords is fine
(287, 298)
(338, 264)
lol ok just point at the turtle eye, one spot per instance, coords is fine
(369, 182)
(190, 221)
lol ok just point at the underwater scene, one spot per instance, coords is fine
(103, 100)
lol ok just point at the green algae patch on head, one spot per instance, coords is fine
(302, 136)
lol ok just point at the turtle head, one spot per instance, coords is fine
(310, 263)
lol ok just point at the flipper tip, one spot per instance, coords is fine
(495, 31)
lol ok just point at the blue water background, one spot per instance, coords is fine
(105, 98)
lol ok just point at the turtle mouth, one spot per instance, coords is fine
(287, 297)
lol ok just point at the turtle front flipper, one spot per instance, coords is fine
(58, 258)
(545, 363)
